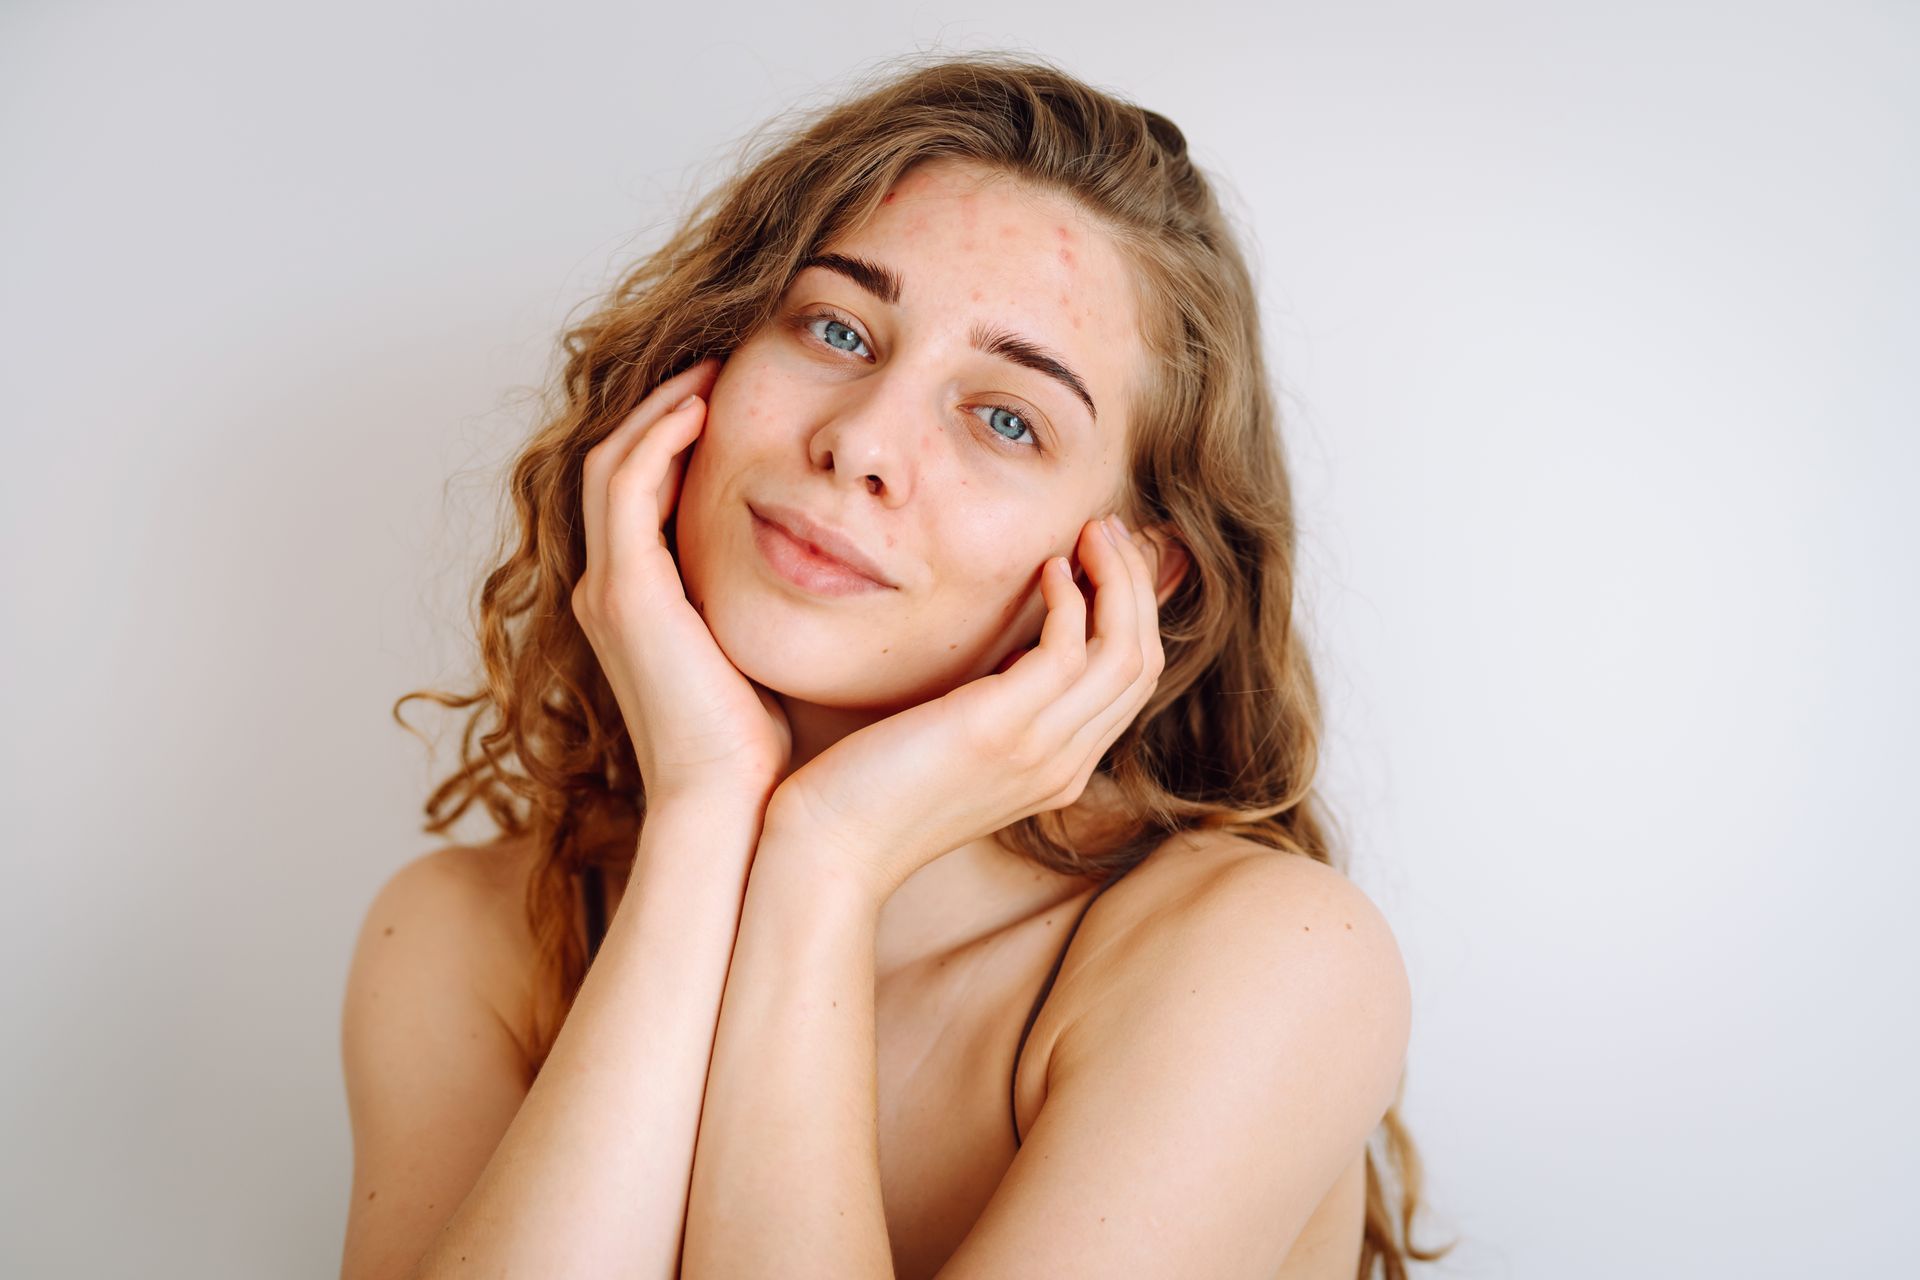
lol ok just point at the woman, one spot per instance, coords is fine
(980, 922)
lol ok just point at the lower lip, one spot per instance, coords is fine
(794, 561)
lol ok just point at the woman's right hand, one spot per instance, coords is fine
(697, 724)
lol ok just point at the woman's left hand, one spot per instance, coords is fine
(891, 797)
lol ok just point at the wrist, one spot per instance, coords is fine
(802, 852)
(718, 797)
(714, 828)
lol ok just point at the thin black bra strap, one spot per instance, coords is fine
(1046, 988)
(593, 887)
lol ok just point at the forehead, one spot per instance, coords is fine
(972, 244)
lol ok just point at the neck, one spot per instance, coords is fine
(968, 893)
(815, 728)
(962, 896)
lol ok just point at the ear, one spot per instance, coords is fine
(1166, 556)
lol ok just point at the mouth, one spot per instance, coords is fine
(807, 564)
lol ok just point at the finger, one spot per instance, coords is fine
(668, 496)
(1115, 610)
(639, 491)
(1105, 728)
(605, 457)
(1044, 671)
(653, 459)
(1072, 691)
(1115, 641)
(1115, 661)
(1147, 597)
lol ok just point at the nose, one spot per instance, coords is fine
(876, 428)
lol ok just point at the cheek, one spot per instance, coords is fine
(1001, 582)
(740, 421)
(750, 407)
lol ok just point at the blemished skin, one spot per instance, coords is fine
(972, 501)
(1229, 1025)
(879, 417)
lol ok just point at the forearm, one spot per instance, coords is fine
(591, 1177)
(786, 1180)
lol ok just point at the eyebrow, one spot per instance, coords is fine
(887, 286)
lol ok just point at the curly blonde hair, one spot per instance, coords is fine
(1229, 739)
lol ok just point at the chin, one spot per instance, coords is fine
(812, 655)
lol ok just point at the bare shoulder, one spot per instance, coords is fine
(1221, 909)
(1243, 1008)
(1200, 876)
(464, 907)
(431, 1048)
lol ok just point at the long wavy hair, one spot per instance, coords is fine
(1230, 738)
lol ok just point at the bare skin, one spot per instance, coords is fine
(948, 1019)
(587, 1168)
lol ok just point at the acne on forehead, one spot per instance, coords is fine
(1070, 235)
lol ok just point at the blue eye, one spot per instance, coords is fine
(841, 336)
(832, 324)
(1032, 441)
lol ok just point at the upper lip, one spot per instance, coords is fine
(826, 538)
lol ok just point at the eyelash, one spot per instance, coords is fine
(804, 323)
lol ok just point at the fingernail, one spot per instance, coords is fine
(683, 404)
(1106, 528)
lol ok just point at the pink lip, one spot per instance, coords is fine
(813, 555)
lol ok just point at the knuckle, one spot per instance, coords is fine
(1023, 754)
(596, 460)
(1067, 783)
(1068, 792)
(990, 740)
(594, 602)
(625, 479)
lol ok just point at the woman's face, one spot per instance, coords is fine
(956, 470)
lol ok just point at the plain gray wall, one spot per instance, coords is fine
(1595, 326)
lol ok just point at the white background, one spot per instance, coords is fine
(1596, 330)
